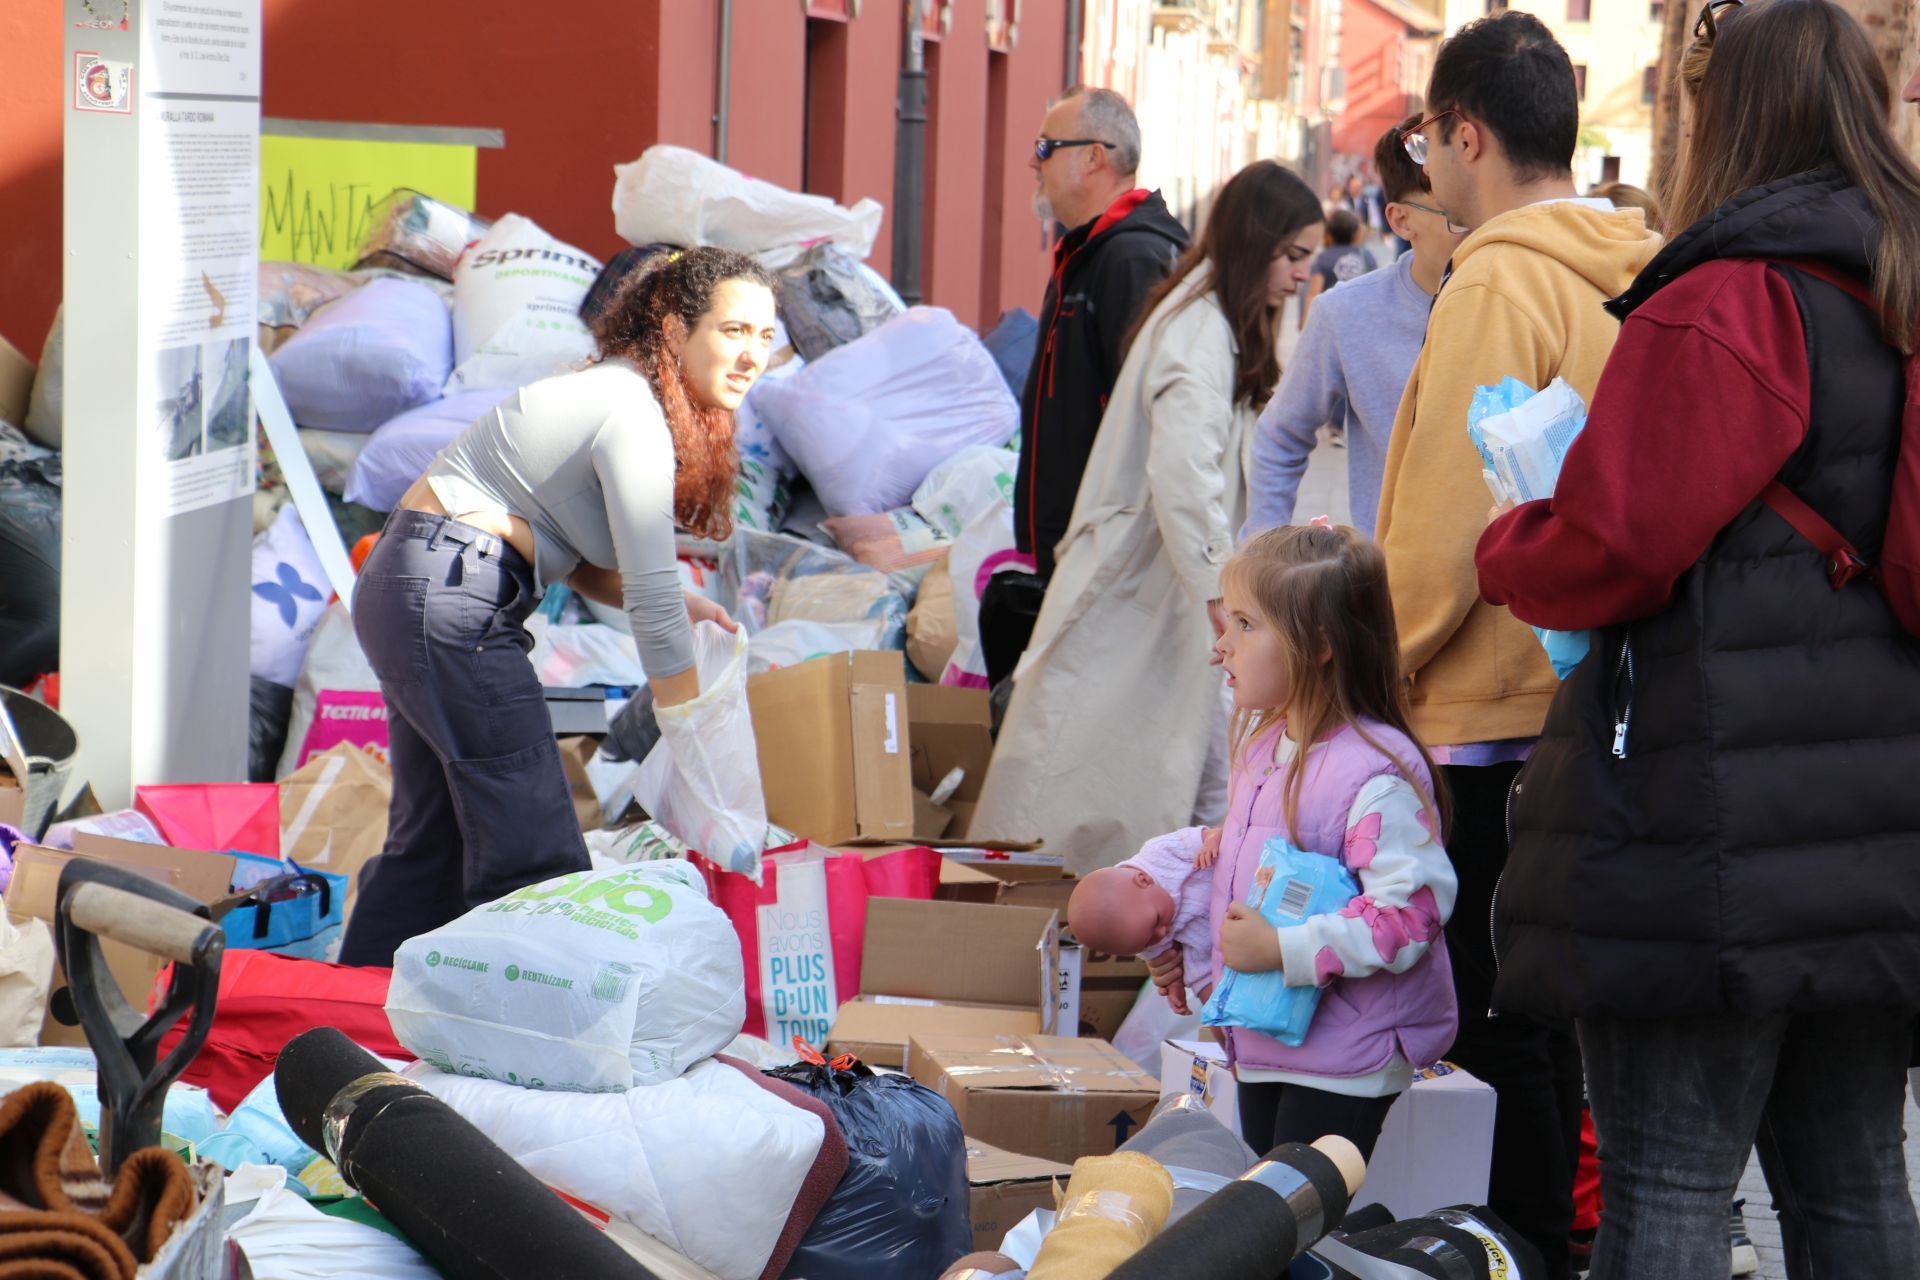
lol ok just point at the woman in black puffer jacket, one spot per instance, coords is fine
(1716, 844)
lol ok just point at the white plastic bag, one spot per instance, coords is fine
(671, 195)
(966, 487)
(567, 655)
(867, 422)
(983, 549)
(701, 781)
(289, 594)
(516, 307)
(337, 698)
(594, 981)
(790, 643)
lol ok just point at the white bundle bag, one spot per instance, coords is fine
(701, 781)
(289, 595)
(591, 982)
(984, 548)
(671, 195)
(516, 308)
(966, 486)
(867, 422)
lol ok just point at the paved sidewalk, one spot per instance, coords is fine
(1765, 1228)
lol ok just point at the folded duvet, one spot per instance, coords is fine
(709, 1164)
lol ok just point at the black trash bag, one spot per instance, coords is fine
(901, 1212)
(270, 708)
(827, 301)
(29, 569)
(634, 731)
(1012, 344)
(1462, 1243)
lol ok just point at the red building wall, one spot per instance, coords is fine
(577, 96)
(1370, 49)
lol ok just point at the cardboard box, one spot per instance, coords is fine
(34, 891)
(1056, 1097)
(835, 749)
(952, 729)
(1028, 877)
(16, 384)
(949, 968)
(13, 801)
(1435, 1146)
(1110, 985)
(1004, 1187)
(574, 754)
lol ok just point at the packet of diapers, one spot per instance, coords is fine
(1289, 885)
(1522, 437)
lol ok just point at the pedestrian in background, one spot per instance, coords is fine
(1119, 243)
(1117, 724)
(1350, 368)
(1524, 300)
(1716, 857)
(1342, 258)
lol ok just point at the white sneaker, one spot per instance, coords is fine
(1746, 1259)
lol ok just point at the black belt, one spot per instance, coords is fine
(436, 529)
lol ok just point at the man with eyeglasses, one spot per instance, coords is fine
(1356, 351)
(1523, 299)
(1119, 241)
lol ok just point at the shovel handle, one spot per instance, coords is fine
(140, 922)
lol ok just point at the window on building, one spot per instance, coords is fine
(1580, 81)
(1649, 85)
(1657, 11)
(1579, 10)
(1495, 6)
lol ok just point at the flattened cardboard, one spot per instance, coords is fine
(204, 877)
(877, 1031)
(13, 802)
(1049, 1096)
(949, 968)
(34, 890)
(1005, 1187)
(835, 747)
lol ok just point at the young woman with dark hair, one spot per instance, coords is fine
(1716, 843)
(582, 479)
(1116, 717)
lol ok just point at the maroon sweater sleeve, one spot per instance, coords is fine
(1703, 400)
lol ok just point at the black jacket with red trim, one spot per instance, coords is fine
(1721, 813)
(1102, 272)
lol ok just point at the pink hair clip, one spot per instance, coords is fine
(1321, 522)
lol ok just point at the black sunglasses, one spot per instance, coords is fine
(1044, 147)
(1705, 27)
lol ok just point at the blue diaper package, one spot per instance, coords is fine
(1289, 886)
(1511, 482)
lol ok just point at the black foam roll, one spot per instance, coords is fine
(463, 1202)
(1251, 1228)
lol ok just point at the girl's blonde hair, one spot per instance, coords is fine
(1324, 591)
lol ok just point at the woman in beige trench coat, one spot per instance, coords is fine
(1116, 703)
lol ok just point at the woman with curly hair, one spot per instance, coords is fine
(581, 478)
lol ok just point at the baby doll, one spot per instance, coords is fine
(1154, 900)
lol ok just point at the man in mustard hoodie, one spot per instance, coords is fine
(1523, 298)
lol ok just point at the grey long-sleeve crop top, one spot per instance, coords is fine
(586, 459)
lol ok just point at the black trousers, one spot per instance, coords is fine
(481, 804)
(1533, 1066)
(1271, 1114)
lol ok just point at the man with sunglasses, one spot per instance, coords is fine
(1118, 241)
(1523, 299)
(1355, 353)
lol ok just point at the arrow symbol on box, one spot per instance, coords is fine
(1122, 1125)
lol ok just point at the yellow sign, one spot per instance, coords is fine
(317, 194)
